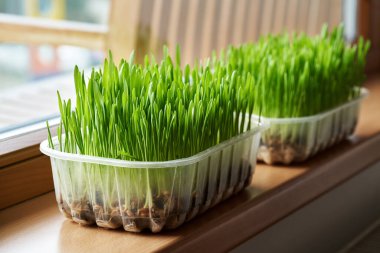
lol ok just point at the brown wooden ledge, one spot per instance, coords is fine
(276, 191)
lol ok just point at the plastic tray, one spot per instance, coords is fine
(290, 140)
(150, 195)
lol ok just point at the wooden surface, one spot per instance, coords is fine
(198, 26)
(18, 184)
(44, 31)
(202, 26)
(21, 155)
(123, 27)
(368, 26)
(369, 244)
(37, 225)
(276, 191)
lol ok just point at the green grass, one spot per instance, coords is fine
(154, 112)
(161, 112)
(150, 112)
(296, 75)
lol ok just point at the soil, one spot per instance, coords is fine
(82, 212)
(107, 218)
(275, 150)
(166, 212)
(281, 153)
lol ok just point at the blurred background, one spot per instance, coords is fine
(23, 62)
(42, 40)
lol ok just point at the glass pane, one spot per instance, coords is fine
(90, 11)
(30, 76)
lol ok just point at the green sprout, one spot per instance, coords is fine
(294, 76)
(149, 112)
(154, 112)
(298, 75)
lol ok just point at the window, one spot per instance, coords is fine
(30, 72)
(89, 11)
(30, 76)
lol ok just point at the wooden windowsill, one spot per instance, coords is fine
(276, 191)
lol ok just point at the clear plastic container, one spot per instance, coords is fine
(150, 195)
(290, 140)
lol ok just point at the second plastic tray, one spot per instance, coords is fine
(290, 140)
(150, 195)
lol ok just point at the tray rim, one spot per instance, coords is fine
(270, 120)
(53, 153)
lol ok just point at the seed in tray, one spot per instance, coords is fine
(130, 213)
(143, 212)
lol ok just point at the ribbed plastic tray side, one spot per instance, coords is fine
(295, 140)
(152, 198)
